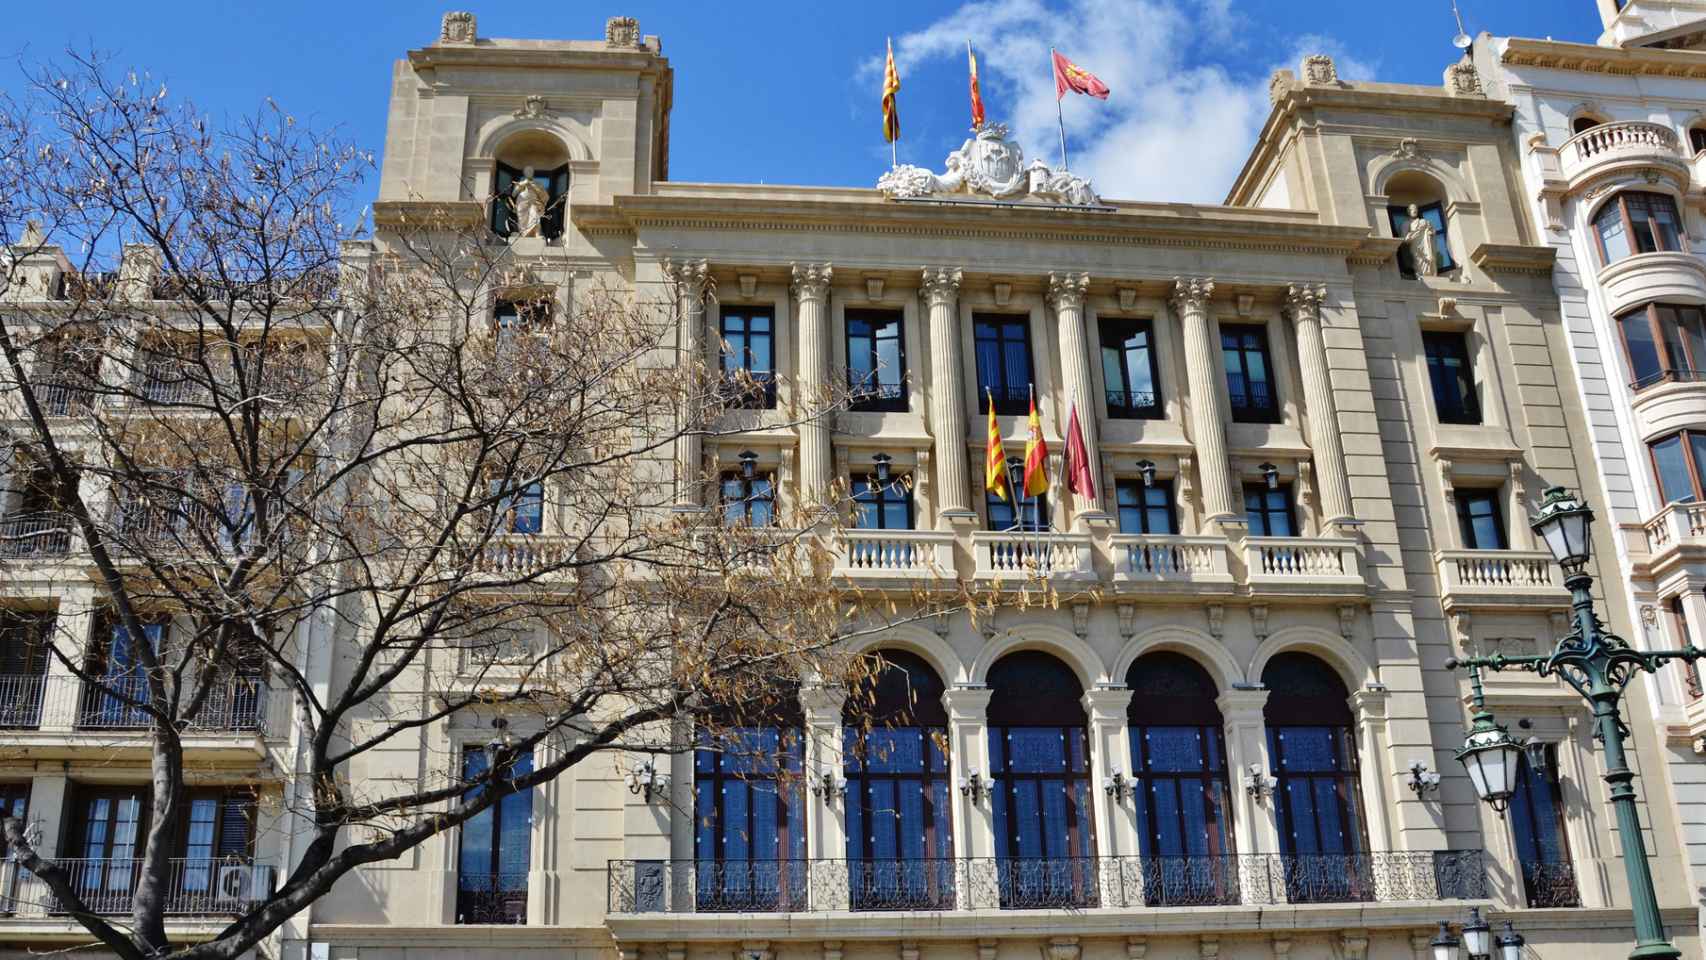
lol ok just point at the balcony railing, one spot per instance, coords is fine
(1675, 525)
(519, 554)
(1301, 562)
(1170, 559)
(894, 553)
(64, 399)
(939, 885)
(238, 705)
(1667, 376)
(498, 898)
(1133, 404)
(870, 396)
(1019, 554)
(20, 700)
(1550, 885)
(1608, 143)
(194, 886)
(34, 535)
(1499, 576)
(1009, 401)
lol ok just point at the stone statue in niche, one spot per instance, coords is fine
(1419, 237)
(529, 200)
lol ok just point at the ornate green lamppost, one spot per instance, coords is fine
(1598, 666)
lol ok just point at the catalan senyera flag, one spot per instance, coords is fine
(976, 91)
(995, 460)
(891, 86)
(1036, 455)
(1079, 477)
(1071, 76)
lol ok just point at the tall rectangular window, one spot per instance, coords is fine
(1003, 346)
(1677, 461)
(123, 685)
(1452, 376)
(882, 506)
(1480, 521)
(522, 510)
(1031, 513)
(1664, 342)
(14, 803)
(1146, 509)
(26, 638)
(1129, 369)
(748, 359)
(749, 820)
(876, 360)
(1681, 637)
(494, 847)
(107, 836)
(1269, 510)
(748, 501)
(1434, 213)
(1537, 826)
(1249, 373)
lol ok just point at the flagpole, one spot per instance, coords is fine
(1059, 117)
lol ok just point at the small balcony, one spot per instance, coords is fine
(210, 887)
(1676, 536)
(233, 706)
(1157, 564)
(1304, 566)
(491, 898)
(906, 555)
(1064, 883)
(31, 536)
(521, 554)
(1499, 578)
(1626, 145)
(1018, 555)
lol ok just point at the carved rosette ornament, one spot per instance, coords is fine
(458, 26)
(990, 165)
(811, 281)
(940, 285)
(1318, 69)
(1066, 290)
(622, 32)
(1278, 84)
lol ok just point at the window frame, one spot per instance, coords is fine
(1011, 400)
(1284, 489)
(898, 491)
(781, 885)
(495, 819)
(501, 219)
(1465, 409)
(882, 400)
(1693, 368)
(1464, 498)
(1142, 508)
(1444, 261)
(1620, 200)
(762, 395)
(1248, 411)
(1695, 476)
(1114, 333)
(1523, 814)
(749, 497)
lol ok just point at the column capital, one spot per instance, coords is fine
(822, 702)
(967, 703)
(1066, 290)
(811, 280)
(1303, 300)
(1192, 293)
(692, 278)
(1242, 702)
(940, 285)
(1107, 703)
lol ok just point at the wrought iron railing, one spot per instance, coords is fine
(195, 886)
(34, 535)
(870, 396)
(20, 700)
(491, 898)
(64, 399)
(1010, 401)
(747, 389)
(782, 886)
(1551, 884)
(237, 705)
(1253, 401)
(1667, 376)
(1133, 404)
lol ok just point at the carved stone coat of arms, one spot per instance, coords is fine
(993, 166)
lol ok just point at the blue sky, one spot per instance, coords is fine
(788, 92)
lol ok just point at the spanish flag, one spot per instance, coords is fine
(976, 91)
(995, 459)
(1036, 455)
(891, 86)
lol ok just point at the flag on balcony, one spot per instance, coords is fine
(995, 459)
(1079, 479)
(1036, 454)
(891, 86)
(976, 91)
(1071, 76)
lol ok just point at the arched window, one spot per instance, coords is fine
(1318, 800)
(749, 809)
(900, 843)
(541, 158)
(1584, 123)
(1638, 221)
(1696, 138)
(1179, 785)
(1039, 762)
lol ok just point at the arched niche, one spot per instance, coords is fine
(535, 155)
(1412, 193)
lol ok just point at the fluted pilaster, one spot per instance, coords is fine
(693, 288)
(1066, 298)
(1303, 303)
(1207, 379)
(940, 288)
(811, 291)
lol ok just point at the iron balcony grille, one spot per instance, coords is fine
(1253, 401)
(870, 396)
(195, 886)
(1668, 376)
(237, 705)
(747, 390)
(981, 883)
(491, 898)
(34, 535)
(1133, 404)
(1550, 884)
(20, 700)
(1010, 401)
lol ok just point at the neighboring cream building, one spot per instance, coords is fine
(1315, 457)
(1610, 138)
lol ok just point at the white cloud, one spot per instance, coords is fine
(1177, 126)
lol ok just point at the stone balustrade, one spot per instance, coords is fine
(1303, 564)
(1017, 555)
(1492, 578)
(892, 553)
(1151, 558)
(1607, 146)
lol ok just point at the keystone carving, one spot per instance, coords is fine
(458, 26)
(534, 107)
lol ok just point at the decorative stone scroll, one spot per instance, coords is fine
(458, 26)
(990, 165)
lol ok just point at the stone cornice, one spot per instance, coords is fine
(1514, 258)
(428, 214)
(1614, 61)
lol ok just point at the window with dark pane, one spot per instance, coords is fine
(1696, 139)
(1480, 521)
(882, 506)
(218, 830)
(748, 356)
(1249, 373)
(748, 502)
(14, 804)
(1636, 221)
(1584, 124)
(118, 662)
(1031, 513)
(1537, 827)
(520, 509)
(1452, 376)
(494, 847)
(900, 840)
(1398, 215)
(876, 360)
(1677, 462)
(1003, 348)
(1180, 788)
(1146, 508)
(1129, 369)
(107, 831)
(554, 182)
(26, 639)
(1269, 511)
(1663, 343)
(749, 809)
(1040, 796)
(1318, 802)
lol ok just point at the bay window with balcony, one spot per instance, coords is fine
(1679, 462)
(1636, 221)
(1663, 342)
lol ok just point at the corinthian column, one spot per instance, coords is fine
(1303, 302)
(1207, 379)
(1066, 297)
(811, 289)
(941, 288)
(693, 286)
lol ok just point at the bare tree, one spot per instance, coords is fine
(323, 462)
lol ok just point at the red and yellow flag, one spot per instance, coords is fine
(976, 91)
(995, 459)
(891, 86)
(1071, 76)
(1036, 455)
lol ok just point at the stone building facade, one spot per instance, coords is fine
(1314, 438)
